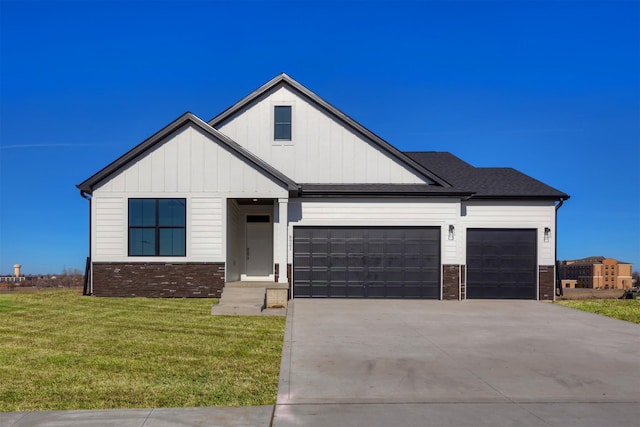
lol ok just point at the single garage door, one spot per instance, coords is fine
(366, 262)
(501, 263)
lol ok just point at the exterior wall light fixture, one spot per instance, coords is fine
(452, 232)
(547, 233)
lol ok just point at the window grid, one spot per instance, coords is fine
(163, 230)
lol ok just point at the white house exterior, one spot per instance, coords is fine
(284, 187)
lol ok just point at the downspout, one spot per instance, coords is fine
(557, 275)
(90, 260)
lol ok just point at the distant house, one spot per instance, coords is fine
(595, 272)
(284, 187)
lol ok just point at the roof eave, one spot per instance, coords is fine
(89, 184)
(521, 197)
(385, 194)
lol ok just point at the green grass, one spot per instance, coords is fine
(60, 350)
(623, 309)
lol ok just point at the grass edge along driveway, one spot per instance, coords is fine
(60, 350)
(623, 309)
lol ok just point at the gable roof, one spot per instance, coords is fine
(488, 183)
(452, 176)
(186, 119)
(286, 81)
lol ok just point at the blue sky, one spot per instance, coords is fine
(549, 88)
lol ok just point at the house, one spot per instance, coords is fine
(596, 272)
(284, 187)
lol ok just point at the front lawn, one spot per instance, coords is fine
(60, 350)
(623, 309)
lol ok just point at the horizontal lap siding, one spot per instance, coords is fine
(110, 216)
(371, 212)
(206, 229)
(505, 213)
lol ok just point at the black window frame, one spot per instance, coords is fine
(157, 227)
(278, 124)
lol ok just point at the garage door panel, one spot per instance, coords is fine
(304, 288)
(376, 261)
(367, 262)
(351, 291)
(319, 261)
(501, 263)
(356, 275)
(355, 261)
(376, 290)
(339, 248)
(416, 261)
(395, 247)
(338, 260)
(303, 275)
(320, 247)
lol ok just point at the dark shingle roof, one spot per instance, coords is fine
(485, 182)
(389, 190)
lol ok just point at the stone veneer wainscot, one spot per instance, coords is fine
(179, 280)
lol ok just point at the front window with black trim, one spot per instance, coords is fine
(157, 227)
(282, 123)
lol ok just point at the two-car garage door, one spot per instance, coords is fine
(366, 262)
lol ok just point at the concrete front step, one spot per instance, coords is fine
(246, 299)
(216, 310)
(233, 285)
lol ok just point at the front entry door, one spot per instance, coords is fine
(259, 250)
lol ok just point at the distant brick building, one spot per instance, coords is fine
(596, 273)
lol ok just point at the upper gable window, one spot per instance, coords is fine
(282, 123)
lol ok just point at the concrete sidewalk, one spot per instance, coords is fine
(247, 416)
(440, 363)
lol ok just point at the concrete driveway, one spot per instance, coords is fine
(445, 363)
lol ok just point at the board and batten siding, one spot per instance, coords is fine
(370, 212)
(188, 164)
(321, 149)
(521, 214)
(189, 161)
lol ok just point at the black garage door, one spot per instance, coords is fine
(501, 263)
(366, 262)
